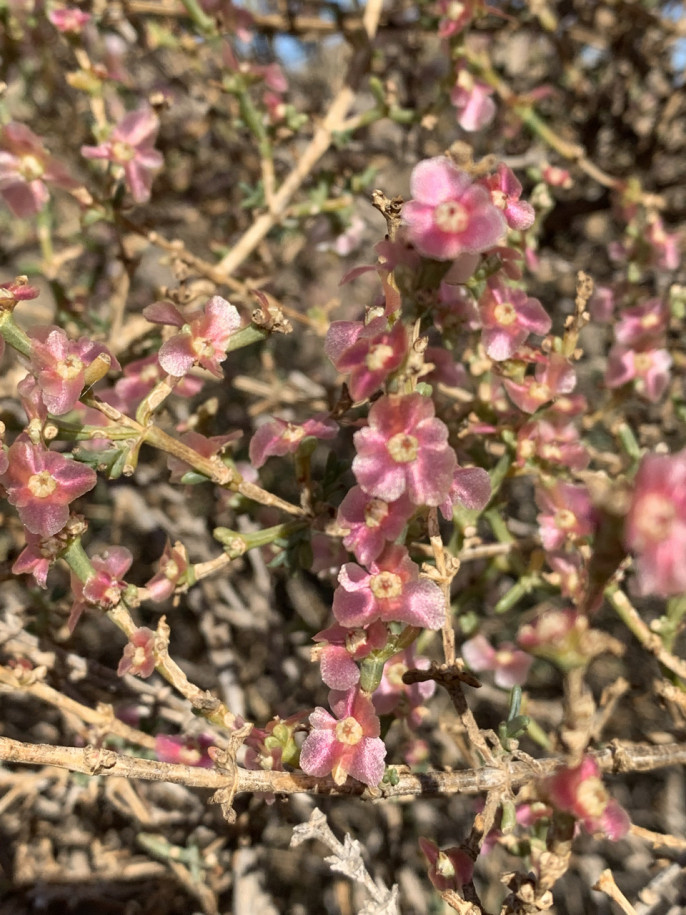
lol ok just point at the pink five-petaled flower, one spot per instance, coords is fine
(566, 511)
(41, 484)
(449, 214)
(511, 665)
(553, 377)
(395, 696)
(105, 587)
(25, 166)
(648, 369)
(404, 449)
(449, 868)
(139, 654)
(348, 744)
(580, 791)
(173, 566)
(186, 751)
(342, 647)
(62, 367)
(69, 20)
(505, 192)
(656, 524)
(508, 316)
(368, 352)
(204, 336)
(391, 591)
(131, 145)
(472, 99)
(278, 437)
(371, 522)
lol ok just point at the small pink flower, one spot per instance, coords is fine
(552, 439)
(140, 377)
(25, 167)
(566, 512)
(342, 648)
(204, 336)
(393, 696)
(103, 589)
(557, 177)
(371, 522)
(665, 244)
(139, 654)
(580, 791)
(278, 437)
(185, 751)
(35, 559)
(404, 449)
(274, 746)
(656, 524)
(643, 325)
(561, 636)
(511, 665)
(16, 290)
(505, 192)
(602, 304)
(348, 744)
(508, 316)
(449, 868)
(391, 591)
(131, 146)
(648, 369)
(69, 20)
(449, 214)
(372, 352)
(553, 377)
(173, 566)
(61, 366)
(42, 483)
(472, 100)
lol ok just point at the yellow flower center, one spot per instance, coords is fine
(375, 511)
(505, 314)
(451, 216)
(70, 368)
(565, 519)
(41, 485)
(378, 356)
(386, 585)
(349, 731)
(592, 797)
(403, 448)
(31, 168)
(354, 639)
(122, 151)
(394, 674)
(642, 363)
(293, 433)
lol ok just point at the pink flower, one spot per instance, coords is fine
(104, 588)
(185, 751)
(278, 437)
(348, 744)
(131, 146)
(173, 566)
(35, 559)
(566, 512)
(553, 440)
(391, 591)
(656, 524)
(648, 369)
(643, 325)
(511, 665)
(368, 352)
(553, 377)
(580, 791)
(449, 868)
(25, 166)
(371, 522)
(41, 484)
(448, 214)
(271, 747)
(404, 449)
(204, 336)
(63, 367)
(561, 636)
(472, 99)
(394, 696)
(140, 377)
(505, 192)
(342, 647)
(139, 654)
(69, 20)
(508, 316)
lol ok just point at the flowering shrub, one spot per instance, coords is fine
(352, 366)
